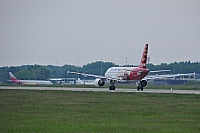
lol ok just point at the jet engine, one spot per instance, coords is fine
(99, 82)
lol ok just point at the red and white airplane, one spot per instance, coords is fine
(136, 75)
(13, 79)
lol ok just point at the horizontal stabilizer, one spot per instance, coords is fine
(158, 71)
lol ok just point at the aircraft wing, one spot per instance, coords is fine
(88, 75)
(115, 79)
(149, 77)
(157, 71)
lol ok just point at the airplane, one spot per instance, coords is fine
(125, 75)
(13, 79)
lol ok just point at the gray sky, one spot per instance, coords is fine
(43, 31)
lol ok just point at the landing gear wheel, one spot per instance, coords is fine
(111, 87)
(138, 88)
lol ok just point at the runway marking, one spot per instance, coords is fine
(103, 90)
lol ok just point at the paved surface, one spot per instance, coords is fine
(104, 90)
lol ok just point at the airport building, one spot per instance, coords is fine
(63, 80)
(71, 81)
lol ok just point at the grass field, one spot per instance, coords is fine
(66, 111)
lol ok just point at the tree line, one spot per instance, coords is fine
(45, 72)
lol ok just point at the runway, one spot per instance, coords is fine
(103, 90)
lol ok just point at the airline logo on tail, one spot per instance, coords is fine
(143, 61)
(13, 78)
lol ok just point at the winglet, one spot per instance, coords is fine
(143, 61)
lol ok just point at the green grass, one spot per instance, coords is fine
(66, 111)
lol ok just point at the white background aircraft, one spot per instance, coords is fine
(136, 75)
(13, 79)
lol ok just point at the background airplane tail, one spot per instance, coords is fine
(143, 61)
(12, 77)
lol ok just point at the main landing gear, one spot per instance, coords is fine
(140, 88)
(112, 87)
(141, 85)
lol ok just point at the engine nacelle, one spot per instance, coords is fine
(99, 82)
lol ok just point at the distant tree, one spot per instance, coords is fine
(50, 71)
(95, 67)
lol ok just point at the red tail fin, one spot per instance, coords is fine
(12, 77)
(143, 61)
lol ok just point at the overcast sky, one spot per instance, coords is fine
(44, 31)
